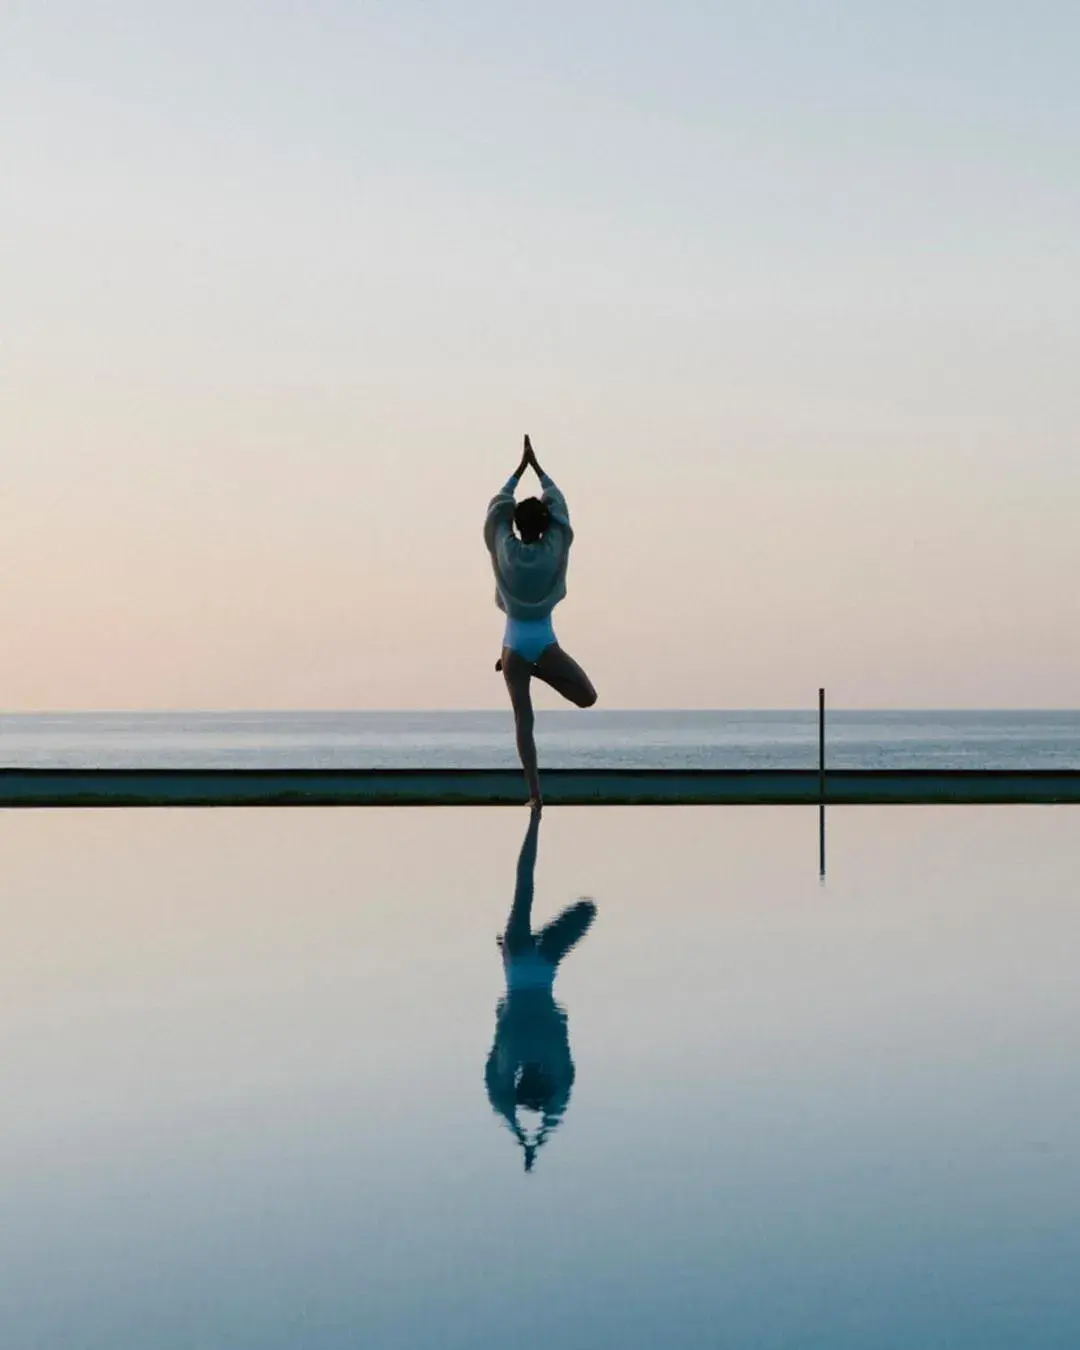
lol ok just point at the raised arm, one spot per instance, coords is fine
(556, 502)
(552, 496)
(526, 457)
(500, 512)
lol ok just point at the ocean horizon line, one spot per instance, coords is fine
(591, 713)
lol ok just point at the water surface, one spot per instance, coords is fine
(248, 1103)
(596, 738)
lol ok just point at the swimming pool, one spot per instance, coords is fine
(249, 1097)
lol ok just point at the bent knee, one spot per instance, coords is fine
(586, 698)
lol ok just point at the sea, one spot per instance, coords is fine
(967, 739)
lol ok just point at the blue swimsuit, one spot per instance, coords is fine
(529, 637)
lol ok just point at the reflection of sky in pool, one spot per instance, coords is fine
(247, 1101)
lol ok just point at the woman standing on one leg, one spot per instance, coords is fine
(530, 580)
(530, 1066)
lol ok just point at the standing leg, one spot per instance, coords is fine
(565, 676)
(518, 937)
(517, 673)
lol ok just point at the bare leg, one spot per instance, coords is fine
(518, 937)
(517, 673)
(556, 938)
(562, 672)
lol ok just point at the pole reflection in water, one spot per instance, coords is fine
(530, 1070)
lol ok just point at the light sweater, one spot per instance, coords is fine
(530, 579)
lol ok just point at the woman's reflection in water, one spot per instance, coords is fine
(529, 1068)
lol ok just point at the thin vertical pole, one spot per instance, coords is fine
(821, 782)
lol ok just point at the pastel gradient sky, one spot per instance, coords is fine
(787, 294)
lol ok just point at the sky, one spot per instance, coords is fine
(786, 294)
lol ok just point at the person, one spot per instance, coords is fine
(530, 1067)
(530, 580)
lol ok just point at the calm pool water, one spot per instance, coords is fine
(264, 1085)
